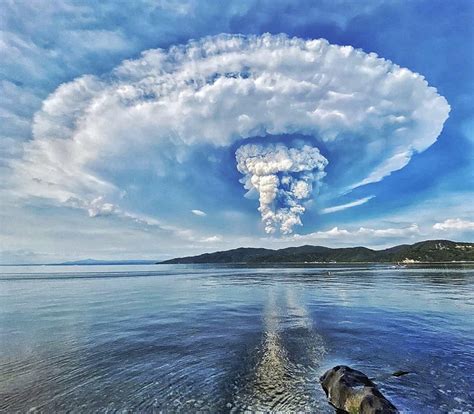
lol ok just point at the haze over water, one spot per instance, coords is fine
(228, 339)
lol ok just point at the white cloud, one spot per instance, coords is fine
(211, 239)
(362, 234)
(98, 208)
(346, 206)
(454, 224)
(390, 232)
(199, 213)
(156, 110)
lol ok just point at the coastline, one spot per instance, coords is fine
(320, 263)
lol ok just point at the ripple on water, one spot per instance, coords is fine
(232, 339)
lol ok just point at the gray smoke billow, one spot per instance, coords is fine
(284, 179)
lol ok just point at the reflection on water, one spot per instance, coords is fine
(230, 339)
(280, 378)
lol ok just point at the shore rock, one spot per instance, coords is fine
(351, 391)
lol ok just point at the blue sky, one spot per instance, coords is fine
(152, 129)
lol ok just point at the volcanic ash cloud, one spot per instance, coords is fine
(368, 116)
(283, 178)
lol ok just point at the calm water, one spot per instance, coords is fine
(229, 339)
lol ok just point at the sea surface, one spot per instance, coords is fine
(178, 338)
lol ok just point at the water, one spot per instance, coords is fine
(229, 339)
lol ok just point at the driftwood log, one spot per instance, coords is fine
(351, 391)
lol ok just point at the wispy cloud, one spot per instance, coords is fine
(199, 213)
(342, 207)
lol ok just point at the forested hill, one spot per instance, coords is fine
(426, 251)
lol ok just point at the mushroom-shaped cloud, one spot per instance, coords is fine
(363, 114)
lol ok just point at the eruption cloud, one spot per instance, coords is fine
(284, 179)
(367, 115)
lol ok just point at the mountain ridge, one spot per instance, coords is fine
(425, 251)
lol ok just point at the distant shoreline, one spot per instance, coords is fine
(99, 263)
(318, 263)
(239, 263)
(421, 253)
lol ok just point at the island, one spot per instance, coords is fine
(429, 251)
